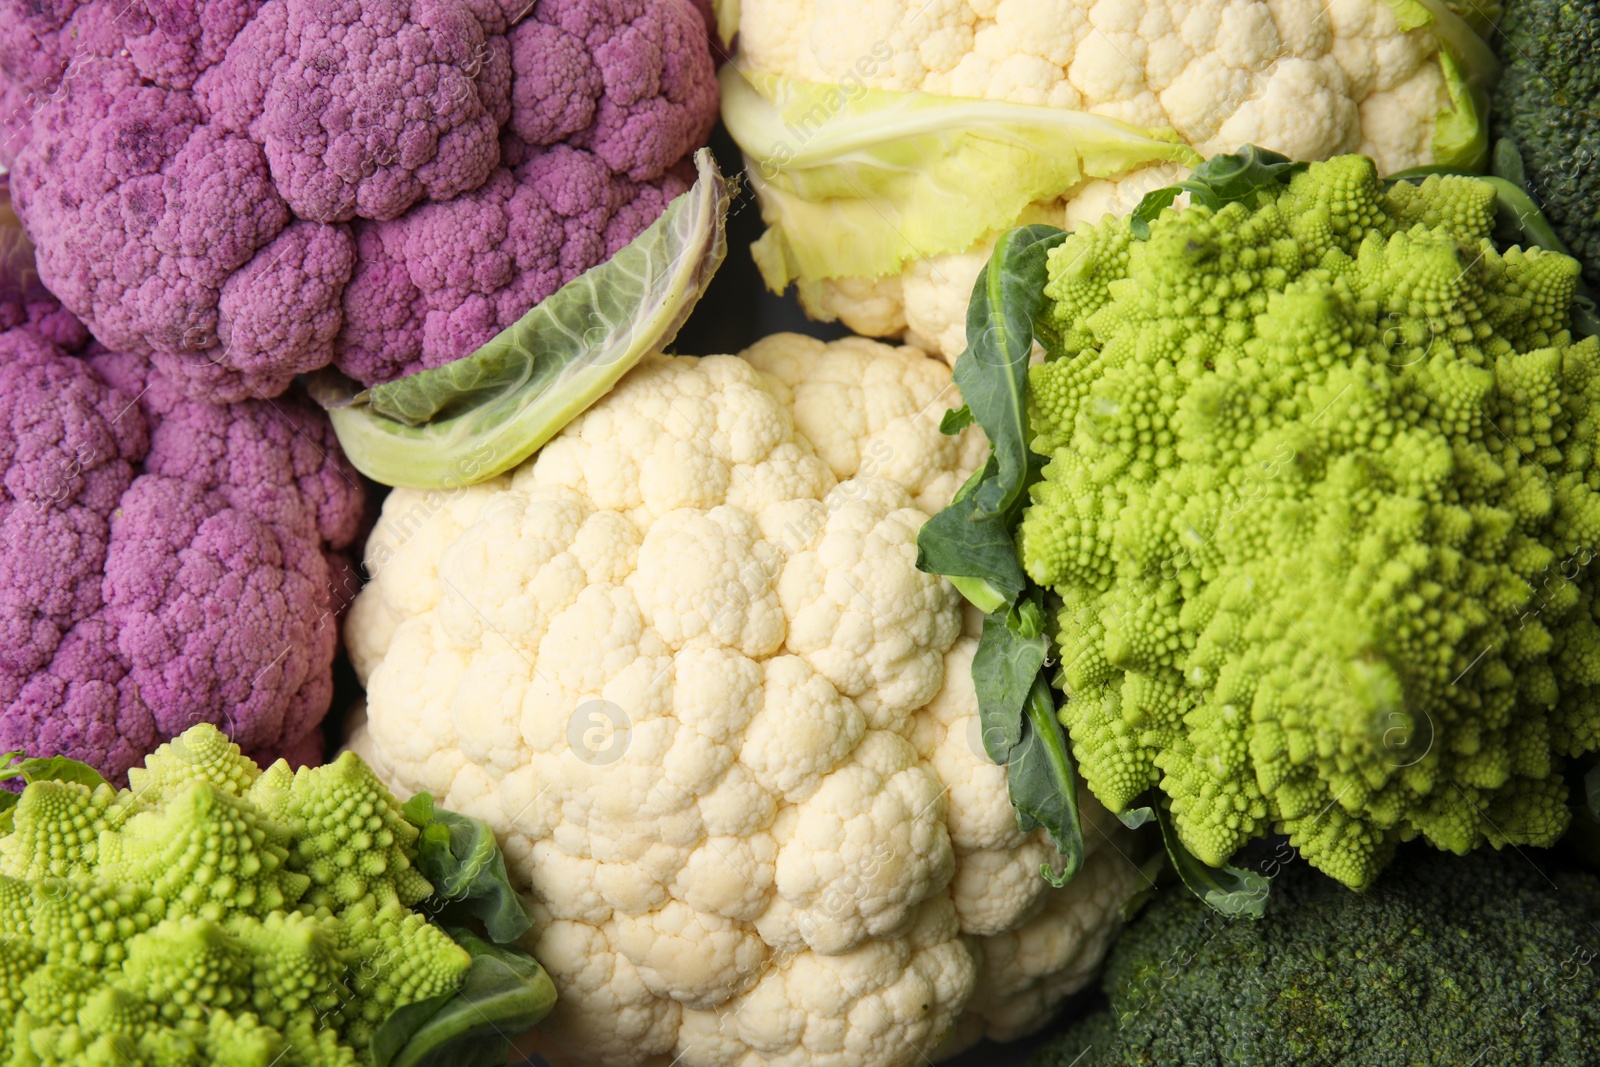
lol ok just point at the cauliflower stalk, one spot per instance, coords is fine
(682, 661)
(1022, 111)
(217, 914)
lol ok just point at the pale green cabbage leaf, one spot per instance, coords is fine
(855, 182)
(480, 416)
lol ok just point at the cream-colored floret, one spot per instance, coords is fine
(1302, 77)
(684, 664)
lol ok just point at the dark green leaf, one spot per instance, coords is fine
(1591, 790)
(1150, 208)
(1239, 175)
(1028, 618)
(1232, 891)
(1044, 783)
(459, 856)
(50, 769)
(1220, 180)
(504, 994)
(959, 543)
(1004, 670)
(955, 420)
(392, 1035)
(992, 373)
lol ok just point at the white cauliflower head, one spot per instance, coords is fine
(1307, 78)
(684, 664)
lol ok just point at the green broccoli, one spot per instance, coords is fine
(1547, 103)
(1320, 507)
(213, 914)
(1485, 961)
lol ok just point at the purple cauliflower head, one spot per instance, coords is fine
(240, 192)
(163, 561)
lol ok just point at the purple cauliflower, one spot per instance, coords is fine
(239, 192)
(163, 561)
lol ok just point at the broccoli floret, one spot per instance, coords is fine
(1320, 508)
(212, 915)
(1485, 960)
(1547, 103)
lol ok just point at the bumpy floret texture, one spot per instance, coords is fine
(683, 662)
(1545, 104)
(167, 561)
(1321, 506)
(1308, 79)
(245, 191)
(1444, 960)
(179, 924)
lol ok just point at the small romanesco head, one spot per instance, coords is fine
(350, 837)
(212, 914)
(1320, 509)
(198, 754)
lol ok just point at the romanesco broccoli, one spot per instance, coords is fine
(1320, 508)
(212, 915)
(1485, 961)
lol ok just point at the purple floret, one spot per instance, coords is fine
(242, 192)
(165, 561)
(278, 316)
(143, 214)
(653, 61)
(365, 107)
(445, 278)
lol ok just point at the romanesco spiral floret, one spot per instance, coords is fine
(201, 753)
(299, 967)
(398, 957)
(57, 827)
(242, 1041)
(54, 994)
(86, 922)
(168, 925)
(1320, 506)
(185, 969)
(206, 853)
(350, 837)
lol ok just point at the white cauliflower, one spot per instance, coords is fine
(1303, 77)
(683, 662)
